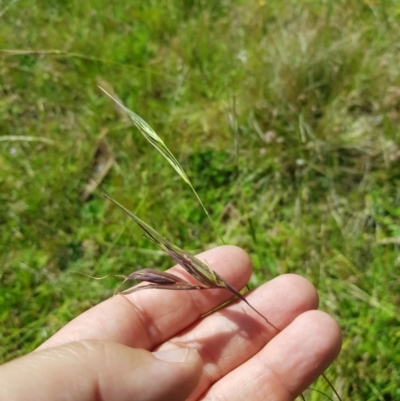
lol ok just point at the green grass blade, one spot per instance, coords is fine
(159, 144)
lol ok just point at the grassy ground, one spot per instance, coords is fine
(305, 178)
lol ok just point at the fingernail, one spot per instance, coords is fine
(172, 355)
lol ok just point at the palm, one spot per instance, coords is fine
(243, 357)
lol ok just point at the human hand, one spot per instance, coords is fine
(107, 352)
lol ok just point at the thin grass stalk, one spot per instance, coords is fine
(331, 386)
(159, 144)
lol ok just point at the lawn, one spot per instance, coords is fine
(285, 116)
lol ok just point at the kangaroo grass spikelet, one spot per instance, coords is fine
(159, 144)
(195, 267)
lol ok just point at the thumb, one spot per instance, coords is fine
(95, 370)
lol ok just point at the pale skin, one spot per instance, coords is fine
(107, 353)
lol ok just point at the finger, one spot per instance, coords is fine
(287, 365)
(147, 318)
(233, 335)
(95, 370)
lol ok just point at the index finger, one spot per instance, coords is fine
(147, 318)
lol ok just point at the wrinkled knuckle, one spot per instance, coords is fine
(93, 348)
